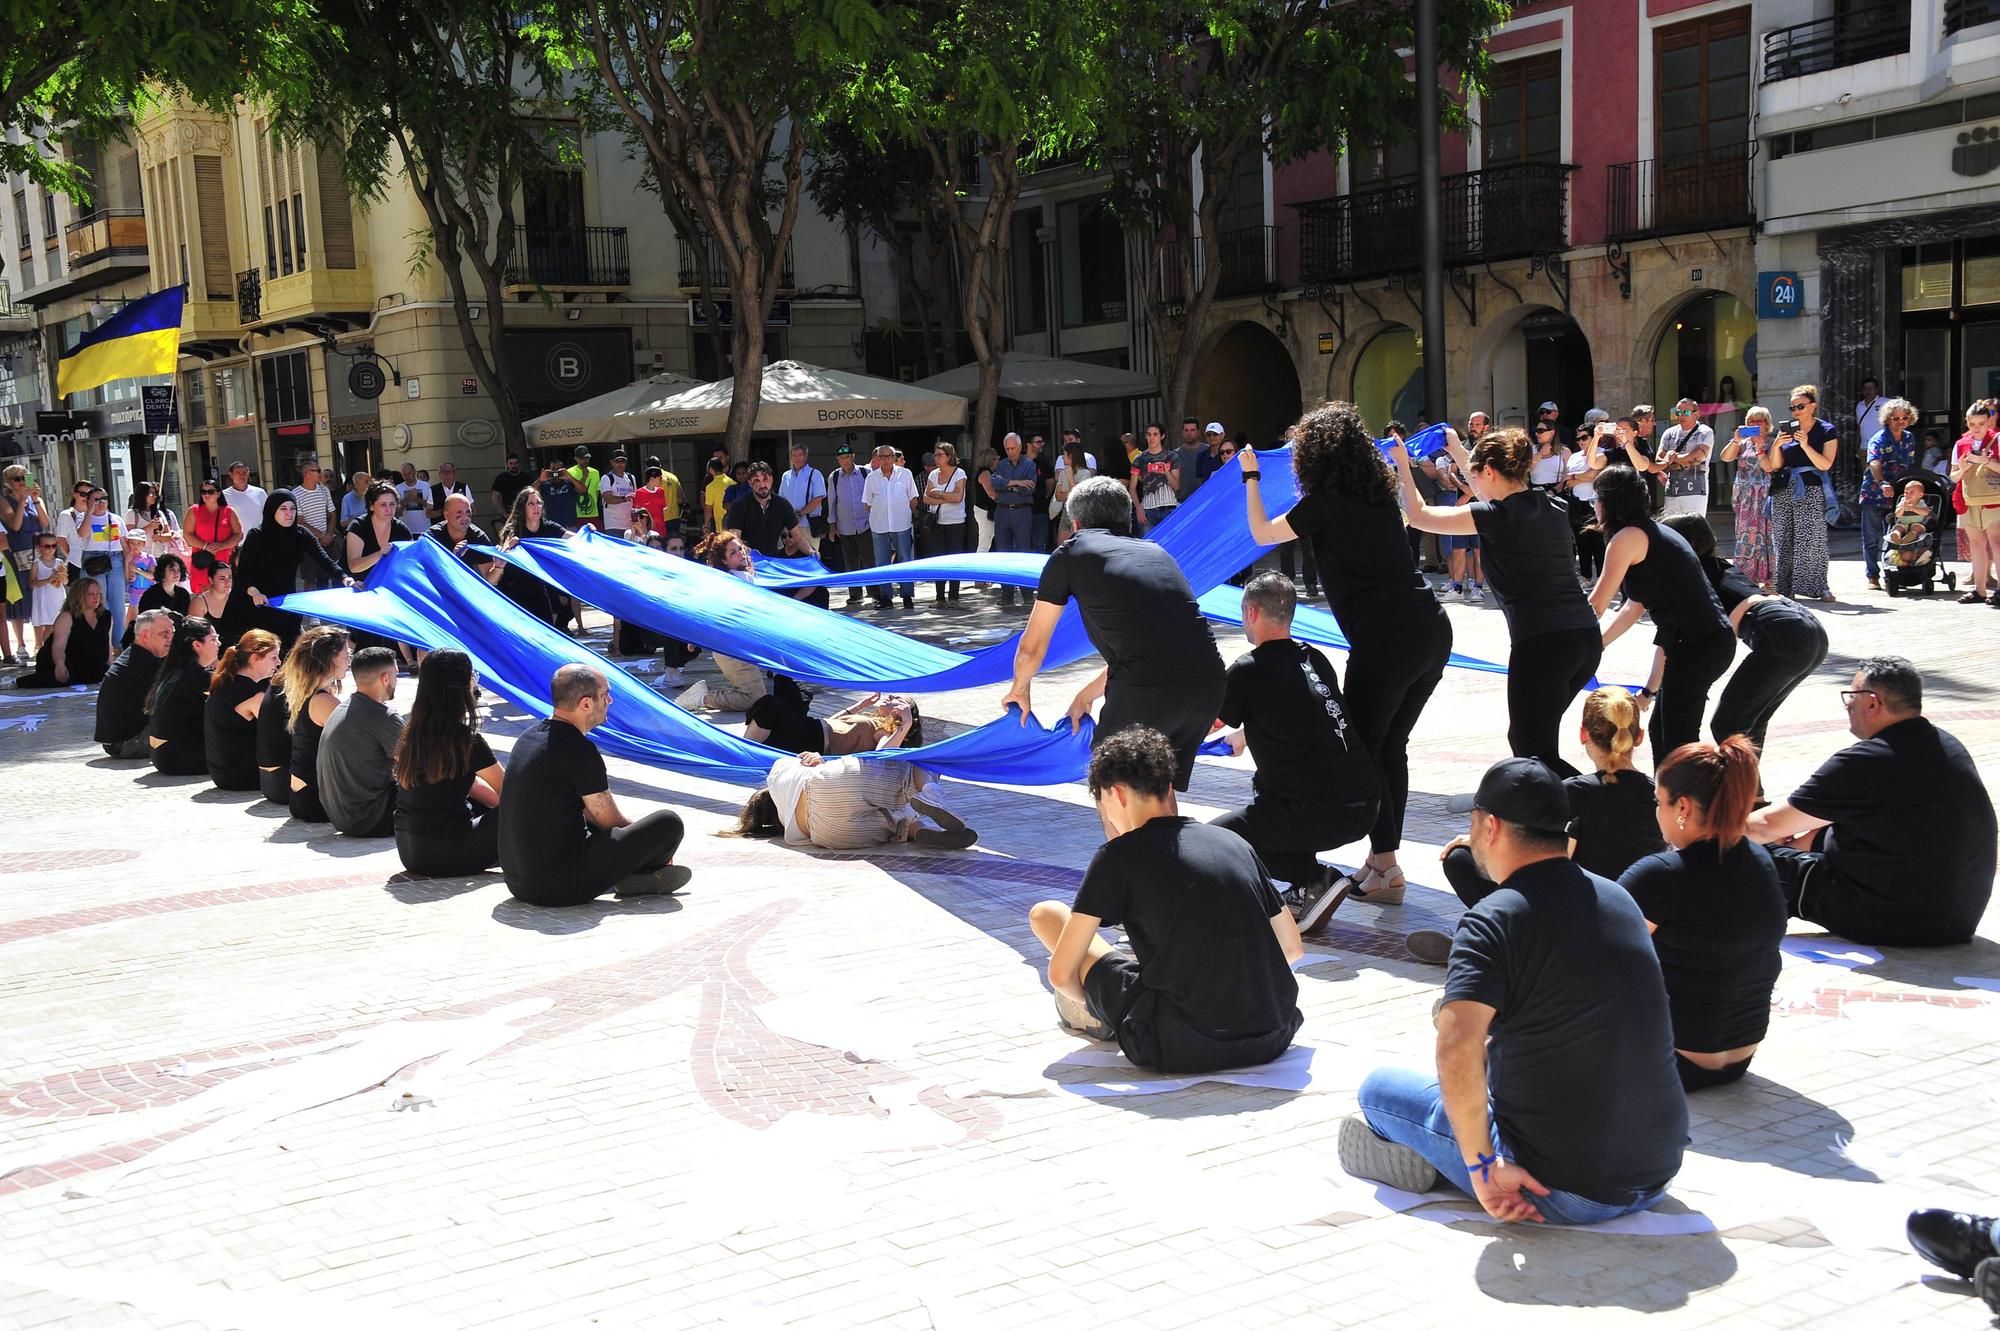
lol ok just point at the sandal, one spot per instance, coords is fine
(1379, 888)
(1970, 598)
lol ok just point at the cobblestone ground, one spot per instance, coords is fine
(633, 1117)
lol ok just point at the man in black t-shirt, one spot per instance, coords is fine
(1210, 983)
(1316, 785)
(762, 518)
(1556, 1096)
(1161, 667)
(121, 697)
(508, 484)
(563, 841)
(456, 528)
(1907, 852)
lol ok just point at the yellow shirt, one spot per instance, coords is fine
(712, 497)
(670, 485)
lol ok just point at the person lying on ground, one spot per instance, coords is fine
(851, 803)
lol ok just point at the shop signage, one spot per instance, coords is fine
(1779, 295)
(157, 408)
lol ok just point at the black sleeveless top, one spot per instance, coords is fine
(87, 655)
(274, 745)
(1731, 587)
(1671, 583)
(305, 746)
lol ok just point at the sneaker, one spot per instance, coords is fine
(1449, 590)
(1428, 946)
(1318, 897)
(1475, 594)
(958, 838)
(1952, 1240)
(693, 698)
(672, 678)
(660, 882)
(1078, 1019)
(1365, 1155)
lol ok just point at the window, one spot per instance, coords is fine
(23, 235)
(195, 398)
(1092, 249)
(1927, 277)
(1028, 273)
(1389, 380)
(1701, 84)
(270, 245)
(1522, 117)
(48, 217)
(1377, 164)
(284, 237)
(288, 387)
(234, 404)
(1982, 271)
(1704, 353)
(299, 228)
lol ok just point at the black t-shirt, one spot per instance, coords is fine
(157, 597)
(1720, 918)
(1197, 905)
(177, 719)
(976, 491)
(1794, 457)
(1287, 698)
(1529, 554)
(364, 528)
(1912, 828)
(436, 810)
(1580, 1067)
(508, 485)
(542, 824)
(440, 532)
(274, 742)
(229, 742)
(1671, 583)
(1731, 587)
(1137, 608)
(1612, 821)
(121, 698)
(763, 525)
(1364, 561)
(791, 730)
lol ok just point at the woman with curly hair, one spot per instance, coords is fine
(1398, 635)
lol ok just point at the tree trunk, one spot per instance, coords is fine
(1199, 284)
(982, 250)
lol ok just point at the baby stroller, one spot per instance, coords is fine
(1919, 563)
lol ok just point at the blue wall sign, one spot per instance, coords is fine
(1779, 295)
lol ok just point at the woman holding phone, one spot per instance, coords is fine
(1753, 496)
(1799, 461)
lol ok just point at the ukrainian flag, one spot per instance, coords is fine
(143, 338)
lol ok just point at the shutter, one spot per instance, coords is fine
(336, 213)
(180, 223)
(212, 217)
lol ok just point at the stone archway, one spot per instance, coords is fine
(1532, 354)
(1245, 379)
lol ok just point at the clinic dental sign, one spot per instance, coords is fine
(1779, 295)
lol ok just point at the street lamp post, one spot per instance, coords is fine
(1430, 221)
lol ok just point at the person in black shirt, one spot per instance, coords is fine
(1907, 852)
(529, 520)
(456, 529)
(563, 841)
(1161, 667)
(1660, 574)
(269, 562)
(78, 648)
(274, 746)
(1530, 561)
(174, 733)
(1316, 786)
(1399, 638)
(235, 702)
(1556, 1096)
(509, 483)
(1209, 984)
(1715, 909)
(121, 698)
(448, 782)
(168, 593)
(761, 518)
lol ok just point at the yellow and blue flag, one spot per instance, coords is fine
(143, 338)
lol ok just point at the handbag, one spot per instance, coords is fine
(203, 560)
(96, 566)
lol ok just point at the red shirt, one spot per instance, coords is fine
(653, 502)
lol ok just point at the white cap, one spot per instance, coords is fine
(1548, 406)
(1213, 427)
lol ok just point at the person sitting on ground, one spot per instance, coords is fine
(1907, 852)
(78, 648)
(1315, 786)
(447, 780)
(274, 741)
(357, 751)
(235, 698)
(179, 697)
(743, 682)
(879, 721)
(1908, 531)
(852, 803)
(1209, 984)
(1555, 1096)
(311, 680)
(1715, 909)
(121, 699)
(1161, 666)
(168, 592)
(563, 840)
(224, 605)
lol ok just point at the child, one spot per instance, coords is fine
(47, 578)
(1909, 529)
(139, 567)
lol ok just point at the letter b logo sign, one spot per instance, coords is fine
(568, 366)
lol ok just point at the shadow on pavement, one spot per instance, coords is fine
(413, 891)
(557, 920)
(1758, 1120)
(1527, 1265)
(214, 795)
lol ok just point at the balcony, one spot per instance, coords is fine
(14, 318)
(1865, 30)
(699, 255)
(588, 257)
(109, 233)
(1248, 257)
(1509, 211)
(1701, 191)
(249, 296)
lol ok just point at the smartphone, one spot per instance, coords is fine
(1749, 431)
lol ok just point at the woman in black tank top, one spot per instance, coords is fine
(1659, 573)
(310, 676)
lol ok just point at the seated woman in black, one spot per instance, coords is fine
(1715, 909)
(447, 779)
(311, 680)
(235, 701)
(78, 648)
(178, 698)
(527, 519)
(1611, 809)
(274, 745)
(224, 604)
(168, 592)
(1660, 574)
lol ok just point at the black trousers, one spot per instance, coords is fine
(1183, 712)
(1471, 885)
(856, 553)
(384, 825)
(1787, 643)
(1392, 671)
(1815, 891)
(305, 805)
(1305, 549)
(454, 856)
(1690, 672)
(1285, 833)
(1694, 1077)
(609, 856)
(276, 784)
(1544, 673)
(948, 539)
(1589, 552)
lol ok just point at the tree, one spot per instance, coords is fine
(442, 94)
(1204, 84)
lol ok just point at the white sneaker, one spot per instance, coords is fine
(672, 679)
(1448, 591)
(693, 698)
(1474, 594)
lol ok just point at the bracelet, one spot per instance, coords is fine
(1250, 476)
(1484, 1164)
(1646, 692)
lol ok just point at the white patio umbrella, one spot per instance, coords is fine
(590, 421)
(1030, 378)
(797, 396)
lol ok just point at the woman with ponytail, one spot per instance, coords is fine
(235, 697)
(1611, 810)
(1715, 908)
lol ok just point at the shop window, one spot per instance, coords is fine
(1389, 380)
(1706, 348)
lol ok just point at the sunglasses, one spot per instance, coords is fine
(1801, 406)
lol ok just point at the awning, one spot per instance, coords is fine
(590, 421)
(1029, 378)
(797, 396)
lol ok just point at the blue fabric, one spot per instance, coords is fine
(421, 593)
(1424, 443)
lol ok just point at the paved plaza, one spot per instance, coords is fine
(820, 1090)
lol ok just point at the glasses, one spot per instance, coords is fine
(1801, 406)
(98, 498)
(1683, 411)
(1847, 696)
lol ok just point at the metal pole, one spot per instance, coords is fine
(1430, 221)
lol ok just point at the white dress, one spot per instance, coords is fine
(48, 597)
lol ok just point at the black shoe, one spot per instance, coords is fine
(1986, 1282)
(1953, 1240)
(659, 882)
(883, 603)
(909, 603)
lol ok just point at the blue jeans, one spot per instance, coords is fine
(113, 585)
(1407, 1108)
(903, 544)
(1871, 540)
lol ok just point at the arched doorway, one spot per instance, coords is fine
(1708, 352)
(1247, 381)
(1541, 356)
(1389, 380)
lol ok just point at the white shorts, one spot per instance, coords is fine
(1693, 505)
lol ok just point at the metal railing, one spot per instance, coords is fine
(104, 233)
(1863, 31)
(1506, 211)
(1663, 196)
(249, 296)
(701, 252)
(593, 256)
(1962, 14)
(1248, 257)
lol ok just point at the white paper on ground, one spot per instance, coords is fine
(869, 1033)
(1829, 951)
(29, 724)
(1300, 1068)
(1314, 959)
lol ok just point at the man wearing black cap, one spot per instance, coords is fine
(1556, 1096)
(761, 517)
(847, 516)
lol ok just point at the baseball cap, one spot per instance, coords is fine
(582, 450)
(844, 451)
(1548, 406)
(1523, 791)
(1213, 427)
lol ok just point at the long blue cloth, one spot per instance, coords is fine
(421, 593)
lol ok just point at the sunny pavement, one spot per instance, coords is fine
(640, 1148)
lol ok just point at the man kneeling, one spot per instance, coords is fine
(1211, 985)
